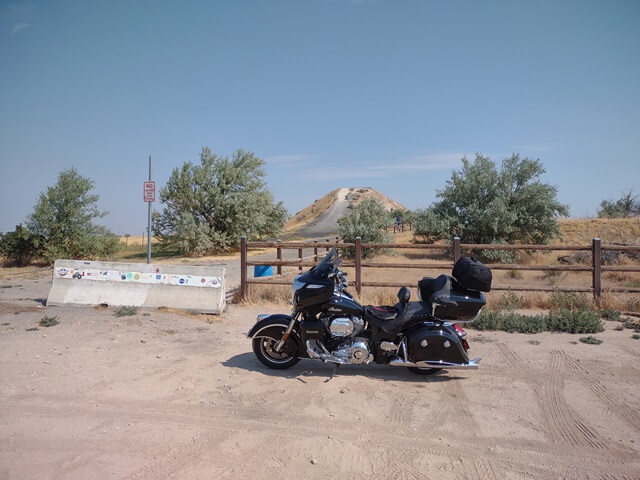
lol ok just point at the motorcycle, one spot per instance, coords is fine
(328, 324)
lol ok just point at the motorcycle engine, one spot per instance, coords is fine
(341, 327)
(346, 345)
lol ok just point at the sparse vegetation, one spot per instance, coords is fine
(591, 340)
(635, 336)
(509, 301)
(126, 311)
(514, 274)
(610, 314)
(32, 329)
(626, 206)
(48, 321)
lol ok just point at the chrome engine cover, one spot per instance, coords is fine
(341, 327)
(355, 351)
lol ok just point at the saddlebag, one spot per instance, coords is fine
(472, 275)
(434, 344)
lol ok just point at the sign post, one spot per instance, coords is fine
(149, 197)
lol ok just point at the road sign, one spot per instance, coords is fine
(149, 191)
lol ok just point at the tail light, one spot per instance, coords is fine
(462, 334)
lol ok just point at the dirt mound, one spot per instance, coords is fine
(321, 218)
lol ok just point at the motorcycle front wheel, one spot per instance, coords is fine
(265, 349)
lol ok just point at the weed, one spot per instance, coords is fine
(509, 301)
(195, 313)
(619, 328)
(591, 340)
(47, 321)
(632, 325)
(554, 276)
(633, 304)
(5, 324)
(514, 274)
(569, 301)
(32, 329)
(573, 343)
(126, 311)
(609, 314)
(633, 283)
(534, 342)
(636, 336)
(146, 314)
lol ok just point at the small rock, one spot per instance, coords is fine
(314, 461)
(342, 390)
(158, 356)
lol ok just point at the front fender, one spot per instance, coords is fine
(274, 326)
(271, 320)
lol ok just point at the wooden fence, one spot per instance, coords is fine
(596, 268)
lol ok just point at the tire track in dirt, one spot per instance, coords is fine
(562, 424)
(622, 410)
(387, 442)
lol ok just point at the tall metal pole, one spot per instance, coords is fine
(149, 221)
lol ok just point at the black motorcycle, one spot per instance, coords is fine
(327, 324)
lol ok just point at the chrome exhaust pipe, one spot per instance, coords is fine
(472, 365)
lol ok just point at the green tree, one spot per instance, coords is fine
(20, 246)
(209, 206)
(63, 219)
(626, 206)
(484, 204)
(368, 220)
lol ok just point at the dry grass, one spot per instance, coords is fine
(574, 231)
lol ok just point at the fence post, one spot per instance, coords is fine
(279, 256)
(300, 258)
(456, 249)
(243, 266)
(597, 285)
(358, 265)
(315, 252)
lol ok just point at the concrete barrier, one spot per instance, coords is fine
(77, 282)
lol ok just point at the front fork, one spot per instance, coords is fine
(287, 332)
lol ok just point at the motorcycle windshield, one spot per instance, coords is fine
(329, 263)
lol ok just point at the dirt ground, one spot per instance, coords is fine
(167, 395)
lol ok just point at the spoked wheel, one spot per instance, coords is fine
(424, 371)
(265, 350)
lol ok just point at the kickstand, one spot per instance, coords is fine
(333, 372)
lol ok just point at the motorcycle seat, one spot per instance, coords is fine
(434, 287)
(383, 313)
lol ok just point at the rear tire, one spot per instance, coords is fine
(264, 349)
(424, 371)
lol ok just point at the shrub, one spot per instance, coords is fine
(580, 321)
(509, 301)
(591, 340)
(20, 246)
(609, 314)
(47, 321)
(569, 300)
(369, 221)
(484, 204)
(575, 321)
(514, 274)
(126, 311)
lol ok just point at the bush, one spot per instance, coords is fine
(509, 301)
(63, 221)
(581, 321)
(626, 206)
(569, 301)
(482, 204)
(126, 311)
(20, 246)
(609, 314)
(369, 221)
(208, 207)
(47, 321)
(591, 340)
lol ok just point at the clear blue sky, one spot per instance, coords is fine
(332, 93)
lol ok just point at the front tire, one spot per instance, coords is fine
(424, 371)
(264, 349)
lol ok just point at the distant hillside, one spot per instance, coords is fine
(321, 217)
(609, 230)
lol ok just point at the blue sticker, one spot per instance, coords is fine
(129, 275)
(181, 281)
(158, 277)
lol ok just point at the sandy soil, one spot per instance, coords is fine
(164, 395)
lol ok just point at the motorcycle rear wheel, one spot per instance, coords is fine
(264, 349)
(424, 371)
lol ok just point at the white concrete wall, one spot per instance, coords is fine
(77, 282)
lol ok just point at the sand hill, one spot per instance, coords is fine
(320, 219)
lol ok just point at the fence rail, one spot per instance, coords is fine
(596, 268)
